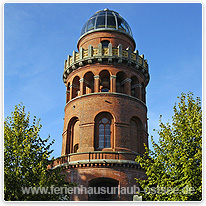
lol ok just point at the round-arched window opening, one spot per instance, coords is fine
(105, 43)
(103, 131)
(104, 79)
(76, 147)
(111, 189)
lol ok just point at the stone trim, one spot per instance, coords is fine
(106, 152)
(86, 125)
(85, 81)
(113, 77)
(126, 80)
(136, 85)
(74, 86)
(96, 77)
(100, 163)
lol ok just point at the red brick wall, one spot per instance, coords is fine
(112, 68)
(115, 38)
(122, 107)
(125, 176)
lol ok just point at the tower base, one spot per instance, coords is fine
(104, 182)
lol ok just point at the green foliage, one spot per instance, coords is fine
(176, 161)
(26, 157)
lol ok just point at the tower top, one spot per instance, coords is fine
(106, 20)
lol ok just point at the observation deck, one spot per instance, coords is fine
(96, 158)
(105, 55)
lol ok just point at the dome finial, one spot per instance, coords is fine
(106, 9)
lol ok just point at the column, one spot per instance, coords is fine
(127, 86)
(68, 95)
(113, 83)
(96, 83)
(144, 96)
(139, 91)
(71, 92)
(81, 81)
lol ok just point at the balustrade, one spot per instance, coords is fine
(94, 155)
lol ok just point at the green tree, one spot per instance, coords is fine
(26, 157)
(174, 167)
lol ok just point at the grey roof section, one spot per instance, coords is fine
(106, 20)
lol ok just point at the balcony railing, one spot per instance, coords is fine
(109, 54)
(89, 157)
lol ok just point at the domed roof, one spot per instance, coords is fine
(106, 20)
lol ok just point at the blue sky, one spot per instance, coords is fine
(38, 38)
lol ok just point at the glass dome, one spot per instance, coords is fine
(106, 20)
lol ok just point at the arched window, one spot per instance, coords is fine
(134, 87)
(143, 92)
(88, 86)
(75, 87)
(135, 134)
(104, 78)
(73, 134)
(120, 87)
(76, 147)
(110, 194)
(75, 137)
(105, 43)
(103, 131)
(68, 93)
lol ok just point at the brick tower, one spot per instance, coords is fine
(105, 122)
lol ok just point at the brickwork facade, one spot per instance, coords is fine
(115, 38)
(105, 124)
